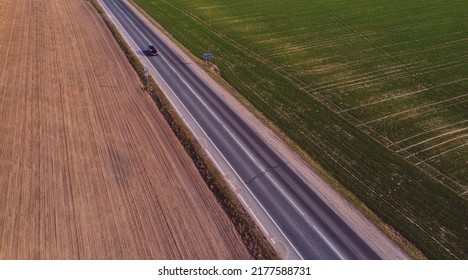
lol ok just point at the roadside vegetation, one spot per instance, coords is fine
(375, 94)
(253, 238)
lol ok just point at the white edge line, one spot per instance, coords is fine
(329, 244)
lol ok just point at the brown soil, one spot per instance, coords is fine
(88, 167)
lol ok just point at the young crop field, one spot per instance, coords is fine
(375, 92)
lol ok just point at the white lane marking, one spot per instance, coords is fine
(279, 188)
(329, 244)
(152, 66)
(316, 229)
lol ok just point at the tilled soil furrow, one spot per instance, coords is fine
(89, 167)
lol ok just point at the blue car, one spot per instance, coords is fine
(152, 50)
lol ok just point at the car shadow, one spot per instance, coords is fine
(143, 53)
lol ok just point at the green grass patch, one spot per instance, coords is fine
(353, 84)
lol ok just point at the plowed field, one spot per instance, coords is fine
(88, 167)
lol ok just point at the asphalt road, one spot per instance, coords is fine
(309, 226)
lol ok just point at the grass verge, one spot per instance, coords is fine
(253, 238)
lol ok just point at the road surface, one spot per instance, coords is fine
(309, 228)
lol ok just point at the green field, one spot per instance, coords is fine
(374, 91)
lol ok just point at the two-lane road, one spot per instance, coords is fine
(309, 228)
